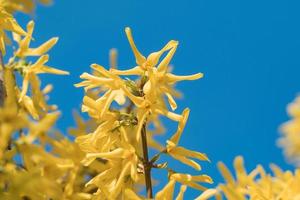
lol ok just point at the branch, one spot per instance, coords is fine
(2, 88)
(147, 164)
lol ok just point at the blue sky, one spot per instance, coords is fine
(248, 50)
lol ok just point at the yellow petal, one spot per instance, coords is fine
(115, 154)
(131, 195)
(207, 194)
(141, 115)
(188, 153)
(163, 66)
(113, 53)
(2, 43)
(140, 59)
(101, 70)
(13, 26)
(24, 44)
(120, 183)
(133, 71)
(39, 63)
(171, 101)
(190, 181)
(225, 173)
(120, 97)
(181, 192)
(30, 107)
(9, 82)
(24, 86)
(171, 78)
(170, 115)
(176, 137)
(167, 192)
(43, 48)
(51, 70)
(186, 161)
(153, 58)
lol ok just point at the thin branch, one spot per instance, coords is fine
(1, 60)
(147, 164)
(2, 88)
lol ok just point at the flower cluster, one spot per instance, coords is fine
(34, 163)
(257, 184)
(26, 6)
(124, 109)
(112, 154)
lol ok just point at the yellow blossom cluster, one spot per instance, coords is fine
(34, 163)
(256, 184)
(112, 154)
(290, 139)
(124, 109)
(26, 6)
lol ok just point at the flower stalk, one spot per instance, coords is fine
(2, 88)
(146, 163)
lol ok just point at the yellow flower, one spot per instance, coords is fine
(191, 181)
(28, 70)
(38, 67)
(82, 126)
(290, 139)
(167, 192)
(120, 138)
(255, 185)
(186, 180)
(42, 127)
(131, 195)
(123, 163)
(113, 84)
(7, 23)
(21, 5)
(24, 49)
(180, 153)
(209, 193)
(36, 187)
(160, 81)
(10, 119)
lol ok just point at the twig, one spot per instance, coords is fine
(2, 88)
(147, 164)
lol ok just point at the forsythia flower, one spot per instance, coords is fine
(180, 153)
(30, 71)
(37, 68)
(111, 157)
(26, 6)
(290, 139)
(7, 23)
(123, 108)
(10, 119)
(256, 185)
(24, 49)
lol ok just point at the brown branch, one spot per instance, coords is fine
(146, 163)
(2, 88)
(1, 60)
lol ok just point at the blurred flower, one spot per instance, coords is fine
(123, 108)
(290, 139)
(257, 184)
(7, 23)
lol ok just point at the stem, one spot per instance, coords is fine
(147, 164)
(2, 88)
(1, 60)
